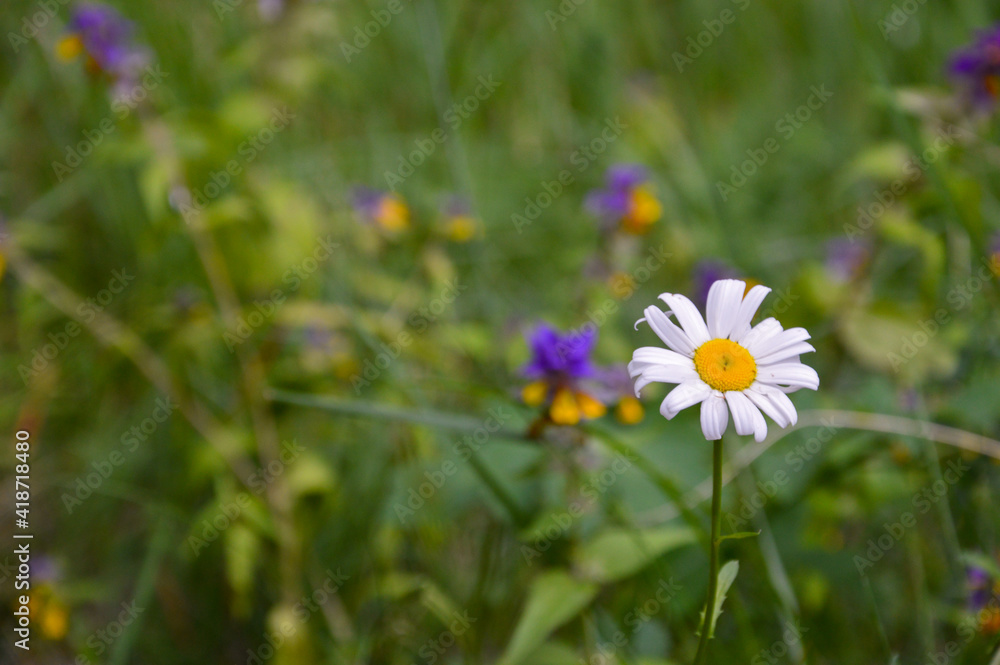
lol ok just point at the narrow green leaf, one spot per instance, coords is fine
(555, 597)
(380, 411)
(727, 575)
(739, 535)
(618, 553)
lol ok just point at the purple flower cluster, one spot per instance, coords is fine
(613, 201)
(558, 357)
(978, 580)
(625, 199)
(845, 258)
(383, 209)
(976, 69)
(107, 38)
(568, 383)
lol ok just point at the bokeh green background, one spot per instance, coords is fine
(331, 515)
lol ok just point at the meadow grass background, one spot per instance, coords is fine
(332, 512)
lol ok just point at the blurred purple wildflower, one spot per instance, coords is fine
(46, 569)
(613, 202)
(978, 581)
(560, 357)
(976, 69)
(995, 244)
(107, 38)
(106, 34)
(270, 10)
(384, 209)
(367, 201)
(845, 258)
(316, 336)
(457, 206)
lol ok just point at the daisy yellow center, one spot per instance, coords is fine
(725, 365)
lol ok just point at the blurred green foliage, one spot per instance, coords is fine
(433, 535)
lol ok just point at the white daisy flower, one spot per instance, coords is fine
(725, 361)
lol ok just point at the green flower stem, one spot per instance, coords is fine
(713, 550)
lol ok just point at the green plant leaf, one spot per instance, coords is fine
(727, 575)
(740, 535)
(618, 553)
(884, 337)
(555, 597)
(242, 547)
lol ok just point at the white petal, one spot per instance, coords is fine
(762, 331)
(688, 316)
(648, 356)
(759, 425)
(714, 417)
(665, 329)
(786, 354)
(789, 374)
(664, 374)
(780, 401)
(685, 395)
(724, 299)
(763, 402)
(747, 419)
(775, 343)
(749, 306)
